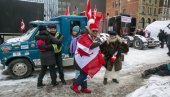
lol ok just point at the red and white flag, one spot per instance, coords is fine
(89, 60)
(22, 26)
(67, 12)
(88, 10)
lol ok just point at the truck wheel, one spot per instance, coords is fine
(20, 68)
(138, 44)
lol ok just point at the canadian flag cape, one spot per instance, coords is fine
(89, 60)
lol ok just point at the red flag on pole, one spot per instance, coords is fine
(88, 10)
(22, 26)
(67, 12)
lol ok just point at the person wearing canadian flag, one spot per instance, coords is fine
(112, 50)
(88, 59)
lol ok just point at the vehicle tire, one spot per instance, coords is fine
(138, 44)
(20, 68)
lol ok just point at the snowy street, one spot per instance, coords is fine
(130, 82)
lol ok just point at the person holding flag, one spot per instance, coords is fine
(112, 50)
(88, 59)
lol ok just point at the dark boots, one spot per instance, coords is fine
(74, 87)
(105, 81)
(40, 85)
(63, 81)
(54, 83)
(115, 81)
(85, 90)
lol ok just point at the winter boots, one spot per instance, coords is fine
(74, 87)
(113, 80)
(85, 90)
(40, 85)
(105, 81)
(63, 82)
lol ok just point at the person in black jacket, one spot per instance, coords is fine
(168, 44)
(46, 52)
(161, 37)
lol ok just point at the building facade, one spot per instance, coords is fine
(145, 11)
(148, 12)
(164, 10)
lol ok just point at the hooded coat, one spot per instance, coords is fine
(109, 49)
(47, 57)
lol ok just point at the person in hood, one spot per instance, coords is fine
(75, 36)
(112, 50)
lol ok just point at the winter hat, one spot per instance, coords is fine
(112, 32)
(93, 27)
(90, 21)
(52, 26)
(76, 29)
(41, 28)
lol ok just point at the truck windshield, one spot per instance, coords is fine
(28, 34)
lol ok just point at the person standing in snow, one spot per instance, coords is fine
(168, 44)
(44, 44)
(161, 37)
(112, 50)
(162, 70)
(88, 59)
(58, 51)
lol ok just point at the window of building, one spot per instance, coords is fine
(116, 12)
(149, 1)
(142, 9)
(116, 4)
(148, 10)
(149, 20)
(124, 11)
(142, 22)
(155, 1)
(113, 4)
(154, 11)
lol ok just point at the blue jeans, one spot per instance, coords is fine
(81, 79)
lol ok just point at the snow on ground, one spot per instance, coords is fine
(131, 84)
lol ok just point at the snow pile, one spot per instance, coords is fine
(156, 86)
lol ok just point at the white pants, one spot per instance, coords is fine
(111, 74)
